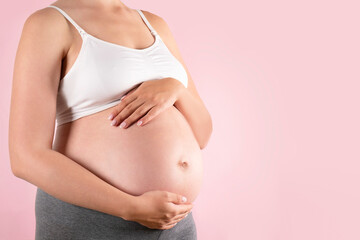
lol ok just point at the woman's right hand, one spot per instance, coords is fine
(158, 209)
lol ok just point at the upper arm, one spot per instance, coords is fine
(36, 77)
(163, 29)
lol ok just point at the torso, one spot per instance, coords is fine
(161, 155)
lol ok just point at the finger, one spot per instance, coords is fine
(139, 112)
(171, 224)
(179, 217)
(168, 226)
(122, 97)
(156, 110)
(130, 91)
(125, 111)
(183, 208)
(176, 198)
(122, 104)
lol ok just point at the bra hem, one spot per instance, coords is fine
(62, 120)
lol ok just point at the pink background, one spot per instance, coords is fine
(281, 81)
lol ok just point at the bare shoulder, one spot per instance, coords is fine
(36, 76)
(158, 23)
(163, 29)
(47, 25)
(152, 16)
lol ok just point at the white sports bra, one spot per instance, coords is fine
(103, 72)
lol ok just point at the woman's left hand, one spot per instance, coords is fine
(150, 98)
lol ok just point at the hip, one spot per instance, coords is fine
(56, 219)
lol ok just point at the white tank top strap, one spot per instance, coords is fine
(81, 31)
(147, 22)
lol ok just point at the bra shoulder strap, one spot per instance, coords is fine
(147, 22)
(69, 18)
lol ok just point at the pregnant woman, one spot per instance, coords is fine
(125, 159)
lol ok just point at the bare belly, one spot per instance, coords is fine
(161, 155)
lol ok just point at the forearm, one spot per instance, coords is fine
(68, 181)
(197, 116)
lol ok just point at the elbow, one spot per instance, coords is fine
(15, 167)
(19, 156)
(16, 172)
(24, 159)
(204, 143)
(16, 156)
(206, 137)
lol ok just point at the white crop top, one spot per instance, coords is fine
(103, 72)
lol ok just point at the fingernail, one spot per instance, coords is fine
(122, 124)
(113, 122)
(139, 123)
(183, 199)
(122, 97)
(110, 117)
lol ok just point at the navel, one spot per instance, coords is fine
(182, 163)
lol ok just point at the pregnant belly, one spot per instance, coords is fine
(161, 155)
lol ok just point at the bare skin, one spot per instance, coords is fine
(154, 165)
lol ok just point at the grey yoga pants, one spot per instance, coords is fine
(59, 220)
